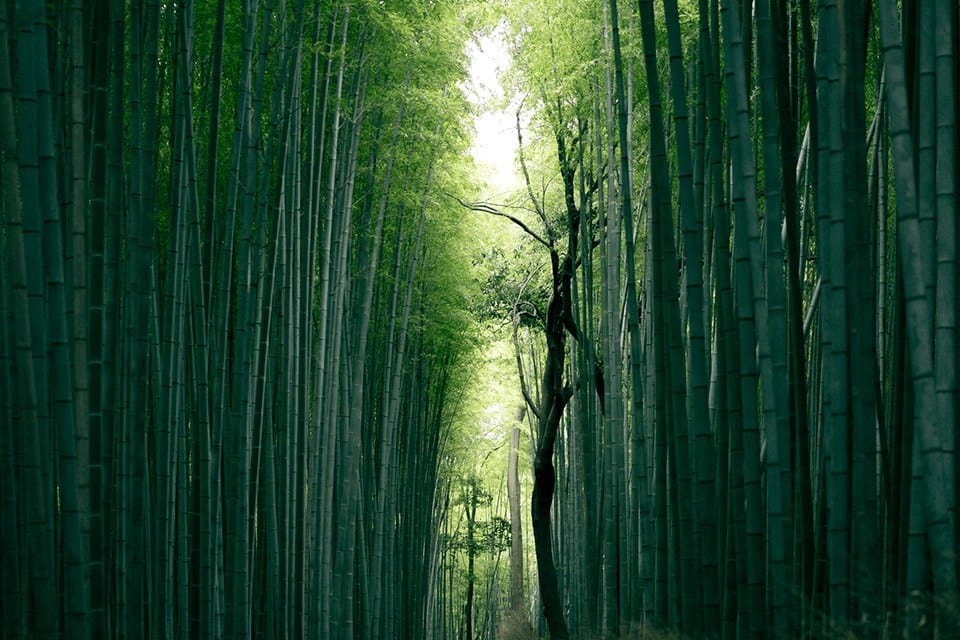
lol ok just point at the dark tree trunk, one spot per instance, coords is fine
(554, 398)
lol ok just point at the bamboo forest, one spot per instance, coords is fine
(479, 319)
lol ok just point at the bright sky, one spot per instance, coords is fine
(494, 151)
(495, 147)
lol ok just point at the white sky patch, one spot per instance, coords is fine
(495, 146)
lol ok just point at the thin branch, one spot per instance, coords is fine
(516, 348)
(526, 175)
(485, 207)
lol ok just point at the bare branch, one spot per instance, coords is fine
(526, 175)
(486, 207)
(516, 348)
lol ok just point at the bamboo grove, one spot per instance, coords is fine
(231, 342)
(235, 320)
(750, 211)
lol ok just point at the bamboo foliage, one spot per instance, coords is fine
(234, 346)
(775, 398)
(165, 325)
